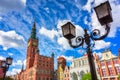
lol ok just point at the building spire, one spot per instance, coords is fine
(119, 52)
(52, 55)
(33, 33)
(22, 67)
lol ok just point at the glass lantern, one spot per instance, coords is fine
(68, 31)
(3, 64)
(103, 12)
(9, 60)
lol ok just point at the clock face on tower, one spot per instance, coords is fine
(34, 44)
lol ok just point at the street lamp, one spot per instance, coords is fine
(104, 16)
(5, 65)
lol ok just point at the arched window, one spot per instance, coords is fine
(75, 77)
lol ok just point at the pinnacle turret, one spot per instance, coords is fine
(33, 33)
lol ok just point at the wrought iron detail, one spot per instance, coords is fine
(95, 35)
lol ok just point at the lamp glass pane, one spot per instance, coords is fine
(9, 61)
(3, 64)
(66, 29)
(72, 28)
(102, 10)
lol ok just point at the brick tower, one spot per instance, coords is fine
(32, 48)
(38, 67)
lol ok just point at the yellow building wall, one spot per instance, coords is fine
(60, 74)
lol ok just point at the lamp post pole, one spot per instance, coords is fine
(4, 70)
(90, 56)
(104, 16)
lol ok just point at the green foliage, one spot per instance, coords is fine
(7, 78)
(86, 76)
(119, 77)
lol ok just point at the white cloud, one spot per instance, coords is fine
(47, 10)
(11, 39)
(88, 5)
(59, 4)
(2, 58)
(24, 2)
(10, 54)
(64, 43)
(24, 63)
(85, 20)
(116, 19)
(101, 45)
(13, 72)
(7, 5)
(19, 62)
(0, 18)
(49, 33)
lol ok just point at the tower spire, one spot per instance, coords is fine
(119, 52)
(22, 67)
(33, 33)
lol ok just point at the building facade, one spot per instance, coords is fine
(109, 66)
(66, 73)
(38, 67)
(80, 66)
(1, 71)
(61, 66)
(60, 75)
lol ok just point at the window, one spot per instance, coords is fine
(107, 55)
(30, 79)
(85, 61)
(112, 79)
(108, 62)
(118, 69)
(105, 79)
(102, 64)
(79, 63)
(74, 64)
(104, 72)
(116, 61)
(65, 75)
(39, 78)
(111, 71)
(47, 78)
(82, 62)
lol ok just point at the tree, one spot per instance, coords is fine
(86, 76)
(7, 78)
(119, 77)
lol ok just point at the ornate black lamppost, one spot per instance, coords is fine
(5, 65)
(103, 12)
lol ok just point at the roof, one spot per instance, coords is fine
(107, 55)
(61, 57)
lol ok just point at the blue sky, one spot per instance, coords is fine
(17, 17)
